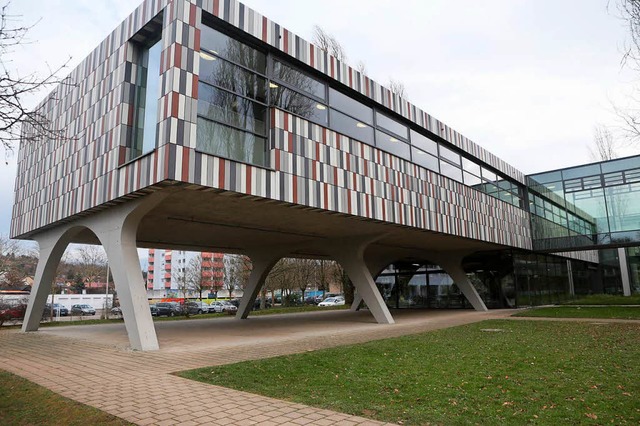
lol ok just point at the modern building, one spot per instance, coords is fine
(203, 125)
(167, 266)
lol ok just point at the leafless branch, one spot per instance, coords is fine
(604, 145)
(328, 43)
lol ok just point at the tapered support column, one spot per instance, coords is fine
(357, 301)
(117, 228)
(350, 254)
(52, 245)
(261, 261)
(452, 265)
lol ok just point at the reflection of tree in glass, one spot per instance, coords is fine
(290, 100)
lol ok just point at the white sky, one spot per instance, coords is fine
(526, 79)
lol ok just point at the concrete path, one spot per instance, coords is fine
(92, 364)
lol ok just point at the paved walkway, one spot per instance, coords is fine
(92, 365)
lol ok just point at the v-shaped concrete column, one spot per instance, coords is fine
(52, 244)
(350, 254)
(116, 228)
(451, 263)
(262, 261)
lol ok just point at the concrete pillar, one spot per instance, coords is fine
(116, 228)
(52, 244)
(350, 254)
(261, 261)
(572, 290)
(375, 266)
(357, 301)
(624, 271)
(451, 263)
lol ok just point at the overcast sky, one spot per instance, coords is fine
(526, 79)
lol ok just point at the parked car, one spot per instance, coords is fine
(169, 309)
(256, 304)
(58, 309)
(116, 310)
(332, 301)
(82, 310)
(196, 307)
(12, 312)
(223, 306)
(154, 310)
(203, 306)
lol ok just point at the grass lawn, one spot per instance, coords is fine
(619, 312)
(606, 299)
(25, 403)
(493, 372)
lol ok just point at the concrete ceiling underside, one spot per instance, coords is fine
(222, 221)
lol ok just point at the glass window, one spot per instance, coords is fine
(425, 160)
(298, 104)
(225, 74)
(622, 164)
(392, 126)
(547, 177)
(350, 106)
(471, 167)
(228, 142)
(450, 155)
(589, 170)
(147, 98)
(299, 80)
(488, 175)
(351, 127)
(392, 145)
(424, 143)
(450, 171)
(226, 47)
(220, 105)
(471, 180)
(623, 207)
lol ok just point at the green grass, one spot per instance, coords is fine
(605, 299)
(617, 312)
(515, 372)
(25, 403)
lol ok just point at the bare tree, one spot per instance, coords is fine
(328, 43)
(236, 272)
(362, 68)
(92, 263)
(398, 88)
(194, 277)
(8, 249)
(16, 120)
(604, 146)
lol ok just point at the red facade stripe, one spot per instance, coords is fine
(185, 164)
(221, 174)
(192, 15)
(264, 28)
(248, 178)
(295, 188)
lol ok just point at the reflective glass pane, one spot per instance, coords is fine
(589, 170)
(220, 105)
(425, 160)
(547, 177)
(450, 155)
(224, 141)
(224, 74)
(471, 180)
(392, 145)
(424, 143)
(591, 202)
(470, 166)
(622, 164)
(351, 127)
(222, 45)
(623, 206)
(450, 171)
(299, 80)
(392, 126)
(489, 175)
(350, 106)
(298, 104)
(152, 94)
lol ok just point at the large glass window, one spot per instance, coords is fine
(350, 106)
(424, 159)
(298, 104)
(392, 145)
(212, 41)
(299, 80)
(229, 142)
(391, 126)
(146, 102)
(232, 110)
(424, 143)
(450, 155)
(351, 127)
(451, 171)
(224, 74)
